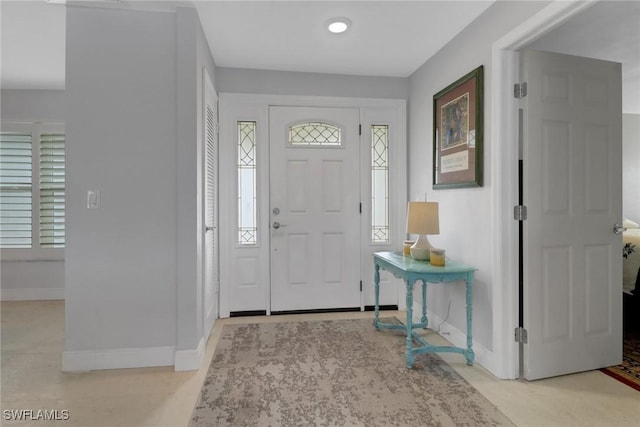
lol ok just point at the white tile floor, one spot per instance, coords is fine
(32, 342)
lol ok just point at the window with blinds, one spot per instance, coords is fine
(16, 186)
(52, 190)
(32, 188)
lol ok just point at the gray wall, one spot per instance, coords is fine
(238, 80)
(631, 166)
(465, 214)
(32, 279)
(121, 127)
(133, 278)
(32, 105)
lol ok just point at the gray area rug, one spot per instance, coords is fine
(332, 373)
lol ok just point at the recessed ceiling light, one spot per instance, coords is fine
(338, 25)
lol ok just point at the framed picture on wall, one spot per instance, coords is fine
(457, 133)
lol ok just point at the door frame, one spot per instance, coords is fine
(505, 60)
(254, 273)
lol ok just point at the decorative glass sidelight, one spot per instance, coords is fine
(316, 134)
(247, 190)
(380, 184)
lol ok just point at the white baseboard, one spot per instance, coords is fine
(209, 322)
(190, 360)
(120, 358)
(483, 356)
(31, 294)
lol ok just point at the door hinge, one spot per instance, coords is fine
(360, 207)
(360, 285)
(520, 335)
(520, 90)
(520, 213)
(359, 129)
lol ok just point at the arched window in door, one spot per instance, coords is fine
(315, 134)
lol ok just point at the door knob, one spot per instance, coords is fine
(618, 229)
(277, 225)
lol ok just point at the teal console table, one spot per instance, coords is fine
(411, 270)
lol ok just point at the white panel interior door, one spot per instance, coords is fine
(210, 125)
(315, 203)
(572, 154)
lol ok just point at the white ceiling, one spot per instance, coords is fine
(388, 38)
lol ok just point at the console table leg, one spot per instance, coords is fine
(376, 280)
(424, 320)
(469, 353)
(409, 354)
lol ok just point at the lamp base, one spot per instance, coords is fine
(421, 249)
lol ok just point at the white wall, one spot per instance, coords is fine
(465, 214)
(238, 80)
(631, 166)
(132, 134)
(25, 280)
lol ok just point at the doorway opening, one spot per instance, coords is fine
(506, 257)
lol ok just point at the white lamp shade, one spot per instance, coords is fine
(422, 218)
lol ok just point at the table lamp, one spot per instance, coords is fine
(422, 219)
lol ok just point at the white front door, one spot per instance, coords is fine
(314, 208)
(572, 158)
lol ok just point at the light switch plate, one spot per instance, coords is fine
(93, 199)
